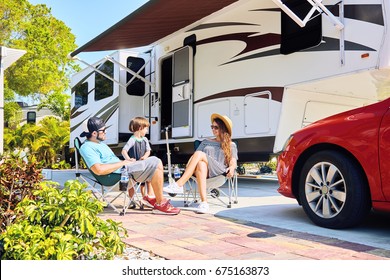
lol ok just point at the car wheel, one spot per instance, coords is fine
(332, 190)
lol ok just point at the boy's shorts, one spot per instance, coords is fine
(143, 170)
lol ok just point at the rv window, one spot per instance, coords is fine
(80, 95)
(31, 117)
(296, 38)
(136, 87)
(181, 66)
(104, 87)
(180, 113)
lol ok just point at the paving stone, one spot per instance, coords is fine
(189, 236)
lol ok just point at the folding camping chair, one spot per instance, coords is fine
(213, 188)
(103, 185)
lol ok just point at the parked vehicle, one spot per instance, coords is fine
(272, 66)
(338, 168)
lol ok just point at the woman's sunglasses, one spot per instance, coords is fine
(214, 127)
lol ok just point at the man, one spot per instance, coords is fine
(101, 160)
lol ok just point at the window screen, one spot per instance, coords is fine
(137, 86)
(181, 66)
(31, 117)
(104, 87)
(180, 113)
(296, 38)
(80, 95)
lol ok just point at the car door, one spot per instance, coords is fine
(384, 154)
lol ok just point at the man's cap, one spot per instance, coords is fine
(225, 119)
(91, 125)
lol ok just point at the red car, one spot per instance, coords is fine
(338, 168)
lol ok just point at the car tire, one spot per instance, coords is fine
(333, 191)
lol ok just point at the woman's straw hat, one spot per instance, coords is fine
(228, 123)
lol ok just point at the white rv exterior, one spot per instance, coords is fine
(231, 62)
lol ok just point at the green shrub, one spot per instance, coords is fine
(61, 165)
(62, 225)
(18, 180)
(272, 164)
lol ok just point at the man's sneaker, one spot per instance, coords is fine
(173, 188)
(165, 208)
(202, 208)
(148, 201)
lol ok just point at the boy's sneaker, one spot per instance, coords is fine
(203, 208)
(132, 205)
(165, 208)
(148, 201)
(173, 188)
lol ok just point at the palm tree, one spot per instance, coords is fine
(45, 141)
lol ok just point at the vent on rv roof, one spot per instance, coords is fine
(295, 38)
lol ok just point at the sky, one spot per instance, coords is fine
(89, 18)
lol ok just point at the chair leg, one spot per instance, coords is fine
(125, 205)
(136, 199)
(110, 202)
(190, 191)
(214, 190)
(221, 193)
(234, 188)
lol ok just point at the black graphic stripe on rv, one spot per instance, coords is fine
(108, 114)
(77, 125)
(252, 41)
(74, 114)
(328, 44)
(372, 13)
(276, 93)
(109, 109)
(220, 24)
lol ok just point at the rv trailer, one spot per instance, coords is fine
(272, 66)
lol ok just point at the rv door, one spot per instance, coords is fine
(182, 93)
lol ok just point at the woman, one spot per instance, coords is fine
(213, 157)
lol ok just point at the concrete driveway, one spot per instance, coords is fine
(260, 203)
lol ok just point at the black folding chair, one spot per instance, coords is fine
(103, 185)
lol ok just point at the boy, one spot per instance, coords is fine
(138, 148)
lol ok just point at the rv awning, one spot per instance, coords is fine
(151, 22)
